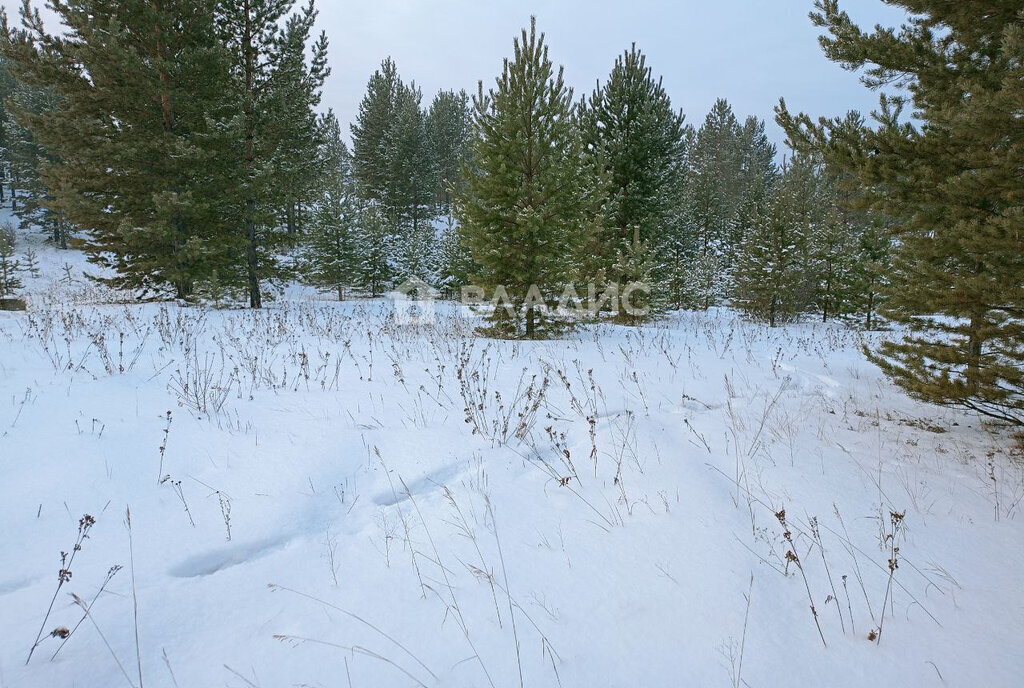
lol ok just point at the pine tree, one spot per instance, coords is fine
(7, 86)
(377, 240)
(757, 174)
(412, 189)
(9, 265)
(680, 269)
(449, 130)
(297, 171)
(138, 85)
(871, 269)
(274, 91)
(456, 261)
(772, 271)
(639, 141)
(27, 160)
(449, 136)
(951, 186)
(333, 257)
(712, 202)
(371, 134)
(395, 174)
(714, 190)
(832, 253)
(732, 174)
(528, 201)
(633, 272)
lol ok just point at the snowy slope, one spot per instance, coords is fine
(341, 500)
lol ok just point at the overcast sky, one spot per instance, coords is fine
(748, 51)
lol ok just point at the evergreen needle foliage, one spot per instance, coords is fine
(950, 181)
(529, 201)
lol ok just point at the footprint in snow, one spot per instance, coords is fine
(434, 479)
(211, 562)
(9, 586)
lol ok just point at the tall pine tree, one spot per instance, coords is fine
(138, 89)
(273, 91)
(773, 271)
(951, 182)
(528, 201)
(332, 259)
(639, 141)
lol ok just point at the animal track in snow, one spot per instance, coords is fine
(211, 562)
(425, 484)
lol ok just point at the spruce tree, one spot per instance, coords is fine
(528, 201)
(951, 184)
(639, 141)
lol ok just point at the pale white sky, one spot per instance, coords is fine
(748, 51)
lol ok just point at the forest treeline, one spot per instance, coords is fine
(180, 141)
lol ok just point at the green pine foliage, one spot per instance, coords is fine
(951, 184)
(371, 134)
(529, 201)
(333, 254)
(449, 134)
(396, 171)
(870, 281)
(9, 265)
(639, 142)
(633, 273)
(134, 171)
(273, 90)
(732, 172)
(27, 159)
(376, 274)
(413, 183)
(771, 275)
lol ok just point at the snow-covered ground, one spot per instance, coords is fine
(322, 496)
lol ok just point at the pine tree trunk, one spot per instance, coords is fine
(251, 256)
(60, 234)
(531, 322)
